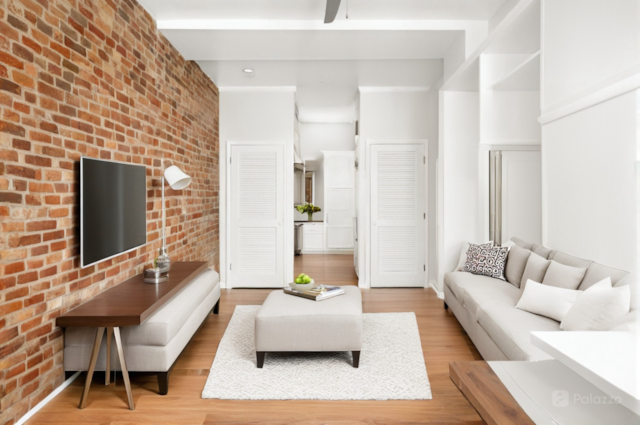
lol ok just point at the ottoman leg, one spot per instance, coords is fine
(356, 358)
(260, 358)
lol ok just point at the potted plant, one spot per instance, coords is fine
(309, 209)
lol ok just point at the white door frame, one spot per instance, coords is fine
(227, 202)
(367, 209)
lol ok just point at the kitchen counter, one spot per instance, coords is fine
(307, 221)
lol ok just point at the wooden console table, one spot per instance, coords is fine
(127, 304)
(487, 394)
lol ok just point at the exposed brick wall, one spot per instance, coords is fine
(94, 78)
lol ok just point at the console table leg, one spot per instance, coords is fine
(123, 367)
(107, 372)
(92, 366)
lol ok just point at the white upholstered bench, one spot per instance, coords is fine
(290, 323)
(155, 345)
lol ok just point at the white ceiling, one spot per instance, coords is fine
(314, 9)
(384, 43)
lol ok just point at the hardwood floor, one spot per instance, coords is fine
(443, 341)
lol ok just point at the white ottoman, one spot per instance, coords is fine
(289, 323)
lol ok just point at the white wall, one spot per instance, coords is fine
(257, 115)
(433, 113)
(459, 213)
(588, 147)
(389, 115)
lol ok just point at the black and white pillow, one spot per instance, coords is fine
(487, 261)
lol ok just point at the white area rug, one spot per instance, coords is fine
(391, 365)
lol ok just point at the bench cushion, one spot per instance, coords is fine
(164, 324)
(289, 323)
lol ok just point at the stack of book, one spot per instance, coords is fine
(318, 293)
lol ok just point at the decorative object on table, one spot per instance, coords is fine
(391, 368)
(155, 275)
(309, 209)
(318, 293)
(177, 180)
(303, 283)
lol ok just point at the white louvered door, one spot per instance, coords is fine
(256, 216)
(397, 215)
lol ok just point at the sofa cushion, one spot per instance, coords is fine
(633, 287)
(569, 260)
(487, 294)
(522, 244)
(563, 276)
(516, 262)
(596, 272)
(535, 269)
(164, 323)
(511, 329)
(459, 282)
(542, 251)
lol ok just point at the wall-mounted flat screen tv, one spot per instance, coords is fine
(113, 203)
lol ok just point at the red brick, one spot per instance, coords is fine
(48, 272)
(27, 277)
(57, 246)
(10, 308)
(11, 60)
(9, 86)
(8, 127)
(50, 91)
(38, 160)
(16, 293)
(21, 144)
(35, 226)
(55, 152)
(23, 79)
(13, 268)
(25, 172)
(13, 198)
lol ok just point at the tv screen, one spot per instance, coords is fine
(113, 216)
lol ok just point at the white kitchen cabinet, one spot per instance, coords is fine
(339, 201)
(312, 238)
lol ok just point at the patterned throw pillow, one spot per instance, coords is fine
(487, 261)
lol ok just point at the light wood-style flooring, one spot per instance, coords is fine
(443, 341)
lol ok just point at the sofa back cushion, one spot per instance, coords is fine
(516, 262)
(569, 260)
(535, 269)
(562, 276)
(522, 244)
(541, 250)
(596, 272)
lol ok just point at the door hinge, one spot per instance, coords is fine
(424, 267)
(230, 266)
(229, 160)
(424, 216)
(424, 159)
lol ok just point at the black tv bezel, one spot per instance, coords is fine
(146, 239)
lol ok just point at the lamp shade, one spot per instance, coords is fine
(176, 178)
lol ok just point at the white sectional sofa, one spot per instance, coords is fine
(155, 345)
(485, 307)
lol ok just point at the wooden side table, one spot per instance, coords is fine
(487, 394)
(128, 304)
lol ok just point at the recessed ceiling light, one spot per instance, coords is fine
(248, 71)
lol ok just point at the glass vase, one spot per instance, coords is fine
(163, 262)
(310, 215)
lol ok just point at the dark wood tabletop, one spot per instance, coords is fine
(487, 394)
(133, 301)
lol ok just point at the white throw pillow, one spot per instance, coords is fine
(563, 276)
(463, 254)
(597, 307)
(547, 301)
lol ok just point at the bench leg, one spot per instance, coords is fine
(260, 358)
(356, 358)
(216, 308)
(446, 307)
(163, 383)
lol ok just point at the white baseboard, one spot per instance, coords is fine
(47, 399)
(434, 285)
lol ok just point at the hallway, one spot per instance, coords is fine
(330, 269)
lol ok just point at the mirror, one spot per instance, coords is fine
(309, 186)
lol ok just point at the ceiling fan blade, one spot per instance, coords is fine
(332, 11)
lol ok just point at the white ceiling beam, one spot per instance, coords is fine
(379, 25)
